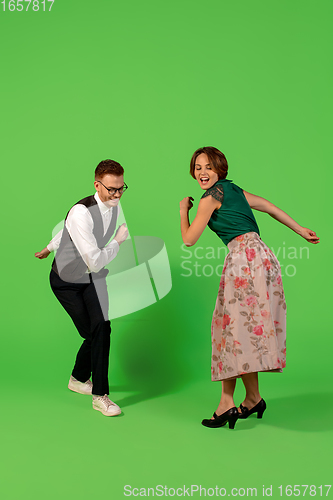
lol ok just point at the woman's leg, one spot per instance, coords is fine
(227, 397)
(252, 397)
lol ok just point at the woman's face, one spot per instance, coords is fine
(204, 173)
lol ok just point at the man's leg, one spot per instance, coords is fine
(87, 304)
(96, 300)
(70, 296)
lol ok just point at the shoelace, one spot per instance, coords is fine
(107, 401)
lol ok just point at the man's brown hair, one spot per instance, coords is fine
(108, 167)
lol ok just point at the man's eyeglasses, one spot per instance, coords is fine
(113, 191)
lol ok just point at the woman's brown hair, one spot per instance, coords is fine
(217, 160)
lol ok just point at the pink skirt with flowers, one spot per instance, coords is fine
(249, 320)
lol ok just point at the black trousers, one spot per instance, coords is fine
(87, 305)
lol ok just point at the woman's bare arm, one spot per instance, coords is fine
(258, 203)
(192, 232)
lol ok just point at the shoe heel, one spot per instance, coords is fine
(260, 413)
(232, 422)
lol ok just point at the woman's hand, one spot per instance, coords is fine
(186, 203)
(43, 254)
(309, 235)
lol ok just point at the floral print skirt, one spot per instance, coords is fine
(249, 320)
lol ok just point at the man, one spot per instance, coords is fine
(78, 279)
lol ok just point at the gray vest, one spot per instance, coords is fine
(68, 263)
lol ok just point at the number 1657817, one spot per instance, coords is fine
(23, 5)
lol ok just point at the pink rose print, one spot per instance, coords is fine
(225, 321)
(218, 322)
(284, 351)
(267, 296)
(279, 280)
(283, 363)
(265, 314)
(218, 347)
(247, 271)
(236, 343)
(250, 253)
(267, 264)
(258, 330)
(220, 366)
(240, 237)
(276, 323)
(240, 282)
(250, 300)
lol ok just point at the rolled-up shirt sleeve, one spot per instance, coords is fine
(55, 242)
(79, 224)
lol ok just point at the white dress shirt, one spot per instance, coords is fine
(79, 224)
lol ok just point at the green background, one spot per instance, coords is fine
(146, 83)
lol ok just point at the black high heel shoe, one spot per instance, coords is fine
(220, 420)
(259, 409)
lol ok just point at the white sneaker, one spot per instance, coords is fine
(105, 405)
(80, 387)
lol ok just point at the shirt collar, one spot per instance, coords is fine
(103, 208)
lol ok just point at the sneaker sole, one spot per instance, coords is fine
(107, 414)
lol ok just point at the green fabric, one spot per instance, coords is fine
(235, 216)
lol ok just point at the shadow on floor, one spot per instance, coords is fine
(149, 352)
(303, 413)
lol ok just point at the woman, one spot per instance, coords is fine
(249, 320)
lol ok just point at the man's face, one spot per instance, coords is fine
(110, 182)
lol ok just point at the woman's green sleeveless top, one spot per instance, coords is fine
(235, 216)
